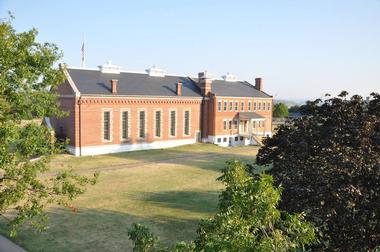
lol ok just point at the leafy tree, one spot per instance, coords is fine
(328, 163)
(280, 110)
(294, 109)
(247, 219)
(26, 75)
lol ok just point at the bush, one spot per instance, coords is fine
(329, 165)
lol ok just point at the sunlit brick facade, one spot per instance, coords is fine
(114, 111)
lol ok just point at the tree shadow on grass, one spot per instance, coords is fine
(200, 202)
(99, 230)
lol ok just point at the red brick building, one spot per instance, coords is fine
(114, 111)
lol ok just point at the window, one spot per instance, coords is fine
(225, 106)
(219, 106)
(254, 106)
(269, 106)
(241, 138)
(187, 122)
(142, 124)
(157, 121)
(249, 106)
(263, 105)
(259, 106)
(225, 125)
(124, 125)
(231, 106)
(219, 140)
(225, 139)
(229, 124)
(254, 124)
(236, 139)
(172, 122)
(236, 106)
(107, 125)
(242, 106)
(235, 124)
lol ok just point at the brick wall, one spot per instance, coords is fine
(220, 116)
(91, 118)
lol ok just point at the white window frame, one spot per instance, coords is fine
(242, 106)
(220, 104)
(122, 110)
(184, 111)
(155, 123)
(111, 125)
(175, 124)
(138, 123)
(225, 106)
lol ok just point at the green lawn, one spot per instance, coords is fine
(168, 190)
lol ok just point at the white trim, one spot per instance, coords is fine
(183, 124)
(154, 123)
(102, 125)
(71, 82)
(128, 125)
(138, 124)
(236, 110)
(242, 97)
(225, 105)
(115, 148)
(176, 123)
(143, 97)
(214, 140)
(73, 150)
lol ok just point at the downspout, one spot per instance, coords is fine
(80, 126)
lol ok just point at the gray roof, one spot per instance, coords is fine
(97, 83)
(93, 82)
(236, 89)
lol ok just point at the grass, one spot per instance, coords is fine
(168, 190)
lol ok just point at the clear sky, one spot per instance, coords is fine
(302, 48)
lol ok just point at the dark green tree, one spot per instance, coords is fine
(247, 219)
(27, 73)
(280, 110)
(328, 163)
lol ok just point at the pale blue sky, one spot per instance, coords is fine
(302, 48)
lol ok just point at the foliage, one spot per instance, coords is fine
(280, 110)
(329, 165)
(26, 75)
(247, 219)
(142, 238)
(294, 109)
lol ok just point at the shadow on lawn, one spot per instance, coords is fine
(100, 230)
(200, 202)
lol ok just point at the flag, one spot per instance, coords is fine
(83, 55)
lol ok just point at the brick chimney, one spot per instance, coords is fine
(179, 88)
(259, 84)
(114, 86)
(205, 83)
